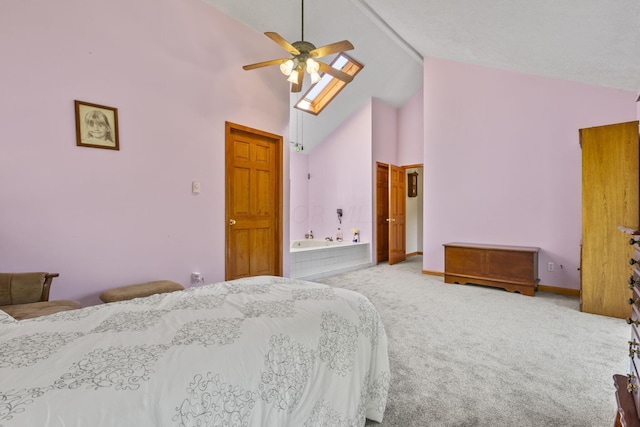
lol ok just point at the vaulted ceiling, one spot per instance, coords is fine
(590, 41)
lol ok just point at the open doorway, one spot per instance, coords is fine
(399, 214)
(414, 211)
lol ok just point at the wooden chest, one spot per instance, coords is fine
(514, 268)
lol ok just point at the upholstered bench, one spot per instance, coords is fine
(37, 309)
(140, 290)
(26, 295)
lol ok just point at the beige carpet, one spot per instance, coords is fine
(477, 356)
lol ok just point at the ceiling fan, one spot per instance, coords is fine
(303, 57)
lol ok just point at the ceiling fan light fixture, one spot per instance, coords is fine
(287, 67)
(315, 77)
(312, 66)
(293, 77)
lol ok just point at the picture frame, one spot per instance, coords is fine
(96, 126)
(412, 187)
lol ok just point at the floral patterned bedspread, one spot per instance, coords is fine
(260, 351)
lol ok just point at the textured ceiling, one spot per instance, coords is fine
(589, 41)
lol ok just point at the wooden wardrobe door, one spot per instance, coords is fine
(610, 198)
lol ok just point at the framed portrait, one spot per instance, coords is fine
(96, 126)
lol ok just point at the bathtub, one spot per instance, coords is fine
(312, 259)
(314, 243)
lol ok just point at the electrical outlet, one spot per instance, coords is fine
(551, 267)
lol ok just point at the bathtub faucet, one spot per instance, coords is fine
(329, 239)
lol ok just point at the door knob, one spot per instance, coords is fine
(232, 222)
(391, 220)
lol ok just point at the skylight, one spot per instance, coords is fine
(323, 92)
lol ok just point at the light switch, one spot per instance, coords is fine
(195, 187)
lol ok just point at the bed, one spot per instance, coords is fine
(259, 351)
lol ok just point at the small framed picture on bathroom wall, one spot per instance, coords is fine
(412, 184)
(96, 126)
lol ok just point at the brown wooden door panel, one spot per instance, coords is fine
(263, 204)
(241, 199)
(397, 214)
(382, 212)
(241, 243)
(261, 264)
(610, 198)
(253, 203)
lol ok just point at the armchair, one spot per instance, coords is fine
(26, 295)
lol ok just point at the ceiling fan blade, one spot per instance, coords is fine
(331, 48)
(297, 86)
(335, 73)
(264, 64)
(282, 42)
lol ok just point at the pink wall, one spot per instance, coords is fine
(340, 178)
(411, 152)
(384, 123)
(411, 131)
(503, 162)
(105, 218)
(385, 150)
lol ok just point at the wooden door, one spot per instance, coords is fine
(610, 198)
(253, 202)
(382, 212)
(397, 214)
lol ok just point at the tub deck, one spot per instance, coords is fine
(324, 258)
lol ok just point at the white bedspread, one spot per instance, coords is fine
(261, 351)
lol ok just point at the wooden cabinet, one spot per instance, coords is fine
(627, 393)
(610, 197)
(626, 416)
(514, 268)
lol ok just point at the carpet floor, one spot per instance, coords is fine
(465, 355)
